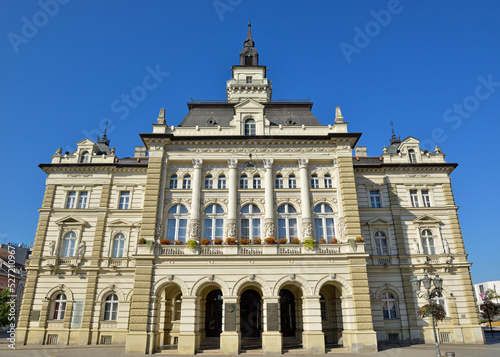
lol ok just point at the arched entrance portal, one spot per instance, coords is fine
(250, 314)
(169, 316)
(331, 314)
(287, 312)
(213, 316)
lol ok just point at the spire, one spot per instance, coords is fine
(249, 42)
(249, 55)
(394, 138)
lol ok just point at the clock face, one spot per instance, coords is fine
(250, 166)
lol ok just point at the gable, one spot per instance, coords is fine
(426, 219)
(71, 221)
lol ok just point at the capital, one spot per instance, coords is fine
(233, 163)
(197, 163)
(303, 163)
(268, 163)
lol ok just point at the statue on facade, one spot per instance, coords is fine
(194, 229)
(342, 231)
(446, 247)
(307, 228)
(416, 247)
(52, 247)
(81, 250)
(269, 228)
(232, 228)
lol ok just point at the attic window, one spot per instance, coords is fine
(249, 127)
(85, 158)
(412, 156)
(249, 79)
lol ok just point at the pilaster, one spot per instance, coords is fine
(313, 338)
(269, 224)
(189, 315)
(307, 229)
(194, 221)
(232, 206)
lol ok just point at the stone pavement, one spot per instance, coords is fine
(490, 349)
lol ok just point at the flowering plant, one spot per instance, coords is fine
(359, 239)
(333, 241)
(205, 241)
(282, 240)
(244, 241)
(230, 241)
(257, 241)
(295, 240)
(434, 310)
(165, 241)
(218, 241)
(178, 242)
(141, 241)
(322, 241)
(270, 240)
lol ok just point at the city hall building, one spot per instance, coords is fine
(250, 225)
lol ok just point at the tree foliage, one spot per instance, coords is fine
(5, 306)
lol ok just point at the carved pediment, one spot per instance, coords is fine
(122, 223)
(426, 219)
(248, 104)
(379, 221)
(71, 221)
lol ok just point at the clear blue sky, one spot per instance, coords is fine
(64, 70)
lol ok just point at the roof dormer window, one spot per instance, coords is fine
(412, 156)
(249, 79)
(84, 159)
(249, 127)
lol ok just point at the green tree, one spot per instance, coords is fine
(5, 307)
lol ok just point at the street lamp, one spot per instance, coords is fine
(429, 295)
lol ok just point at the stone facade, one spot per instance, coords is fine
(126, 248)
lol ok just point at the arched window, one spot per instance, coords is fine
(389, 306)
(428, 242)
(279, 181)
(68, 246)
(257, 182)
(222, 182)
(323, 222)
(412, 156)
(111, 308)
(118, 244)
(177, 223)
(173, 182)
(59, 307)
(186, 183)
(244, 181)
(250, 222)
(213, 226)
(249, 127)
(85, 157)
(314, 181)
(328, 181)
(209, 182)
(287, 222)
(381, 243)
(292, 181)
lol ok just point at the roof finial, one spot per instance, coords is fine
(394, 139)
(249, 42)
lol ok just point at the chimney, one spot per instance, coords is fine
(360, 151)
(140, 151)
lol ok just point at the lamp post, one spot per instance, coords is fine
(429, 294)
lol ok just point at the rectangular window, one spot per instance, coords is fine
(171, 229)
(124, 200)
(256, 182)
(375, 199)
(293, 228)
(207, 229)
(70, 202)
(255, 228)
(249, 79)
(281, 228)
(414, 198)
(245, 229)
(219, 228)
(82, 200)
(182, 230)
(426, 199)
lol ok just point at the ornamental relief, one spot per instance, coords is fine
(237, 149)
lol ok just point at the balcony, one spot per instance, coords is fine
(252, 249)
(243, 82)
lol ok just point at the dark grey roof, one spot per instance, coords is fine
(213, 114)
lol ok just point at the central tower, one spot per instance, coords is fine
(249, 79)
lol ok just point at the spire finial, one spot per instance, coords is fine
(394, 139)
(249, 42)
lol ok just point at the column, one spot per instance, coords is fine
(194, 221)
(272, 341)
(307, 228)
(313, 338)
(232, 206)
(269, 224)
(230, 338)
(188, 325)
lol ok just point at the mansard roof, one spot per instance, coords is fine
(205, 114)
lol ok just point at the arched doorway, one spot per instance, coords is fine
(331, 314)
(169, 316)
(213, 314)
(287, 312)
(250, 314)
